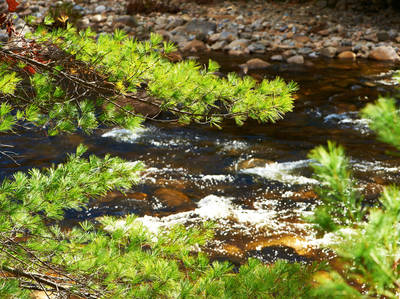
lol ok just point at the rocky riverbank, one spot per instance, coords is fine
(288, 32)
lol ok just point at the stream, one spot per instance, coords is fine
(253, 181)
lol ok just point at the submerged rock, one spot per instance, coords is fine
(255, 64)
(172, 198)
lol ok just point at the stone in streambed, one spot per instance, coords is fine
(297, 59)
(347, 55)
(172, 198)
(384, 53)
(218, 45)
(195, 46)
(329, 52)
(204, 27)
(255, 64)
(276, 58)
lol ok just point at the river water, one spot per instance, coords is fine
(253, 181)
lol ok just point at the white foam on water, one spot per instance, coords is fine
(230, 218)
(125, 135)
(233, 145)
(375, 166)
(214, 179)
(349, 120)
(283, 172)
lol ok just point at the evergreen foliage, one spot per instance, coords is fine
(370, 247)
(62, 80)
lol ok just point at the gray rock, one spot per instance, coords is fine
(227, 36)
(174, 23)
(304, 50)
(256, 48)
(100, 9)
(218, 45)
(297, 59)
(178, 38)
(238, 44)
(197, 26)
(126, 20)
(328, 52)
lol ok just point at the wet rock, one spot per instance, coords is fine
(172, 198)
(239, 52)
(239, 44)
(384, 53)
(197, 26)
(297, 59)
(254, 64)
(227, 36)
(329, 52)
(257, 48)
(218, 45)
(347, 55)
(178, 38)
(251, 163)
(276, 58)
(195, 46)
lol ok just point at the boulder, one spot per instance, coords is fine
(347, 55)
(387, 53)
(297, 59)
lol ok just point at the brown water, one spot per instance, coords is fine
(253, 181)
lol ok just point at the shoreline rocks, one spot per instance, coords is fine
(292, 32)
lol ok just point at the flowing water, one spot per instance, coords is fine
(253, 181)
